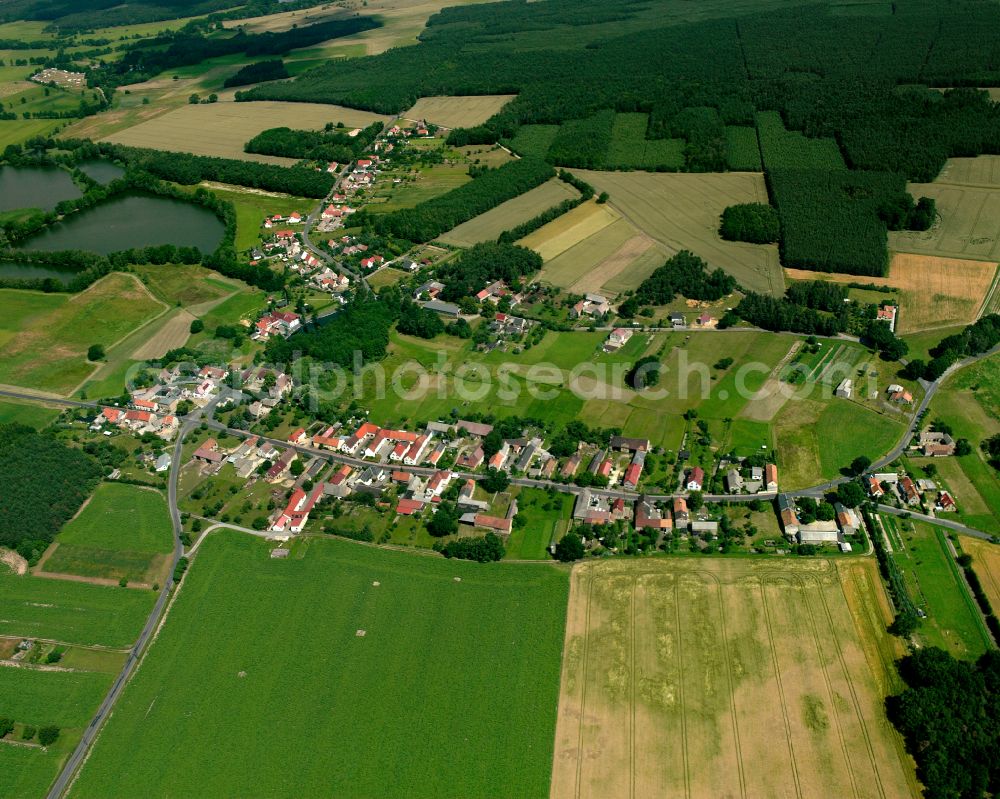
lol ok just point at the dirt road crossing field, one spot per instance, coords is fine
(725, 678)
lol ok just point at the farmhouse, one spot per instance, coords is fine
(617, 338)
(208, 452)
(847, 519)
(681, 514)
(946, 503)
(295, 515)
(649, 517)
(908, 491)
(734, 481)
(634, 470)
(887, 314)
(696, 479)
(936, 445)
(786, 513)
(818, 532)
(623, 444)
(593, 305)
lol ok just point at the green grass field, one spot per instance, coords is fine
(546, 519)
(933, 580)
(251, 209)
(31, 414)
(70, 612)
(36, 697)
(45, 337)
(122, 517)
(25, 772)
(118, 535)
(450, 690)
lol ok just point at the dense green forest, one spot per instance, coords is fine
(188, 170)
(258, 72)
(332, 144)
(842, 101)
(431, 218)
(33, 509)
(949, 716)
(484, 263)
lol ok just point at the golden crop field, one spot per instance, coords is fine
(933, 291)
(727, 678)
(273, 23)
(569, 229)
(512, 213)
(986, 563)
(221, 129)
(967, 193)
(457, 112)
(682, 211)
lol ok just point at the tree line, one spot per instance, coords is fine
(431, 218)
(333, 144)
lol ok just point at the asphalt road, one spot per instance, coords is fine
(957, 526)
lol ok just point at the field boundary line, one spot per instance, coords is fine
(680, 685)
(583, 683)
(634, 679)
(839, 650)
(781, 688)
(989, 298)
(729, 680)
(800, 580)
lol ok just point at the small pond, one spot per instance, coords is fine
(23, 271)
(101, 171)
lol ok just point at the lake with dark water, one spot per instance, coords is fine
(132, 220)
(35, 187)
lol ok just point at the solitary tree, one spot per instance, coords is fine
(95, 352)
(569, 548)
(860, 464)
(48, 735)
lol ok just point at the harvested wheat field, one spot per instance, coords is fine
(458, 112)
(611, 268)
(221, 129)
(172, 335)
(568, 230)
(933, 291)
(967, 194)
(727, 678)
(682, 211)
(986, 564)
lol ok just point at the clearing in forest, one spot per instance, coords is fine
(221, 129)
(682, 211)
(727, 678)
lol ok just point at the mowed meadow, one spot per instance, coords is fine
(727, 678)
(340, 671)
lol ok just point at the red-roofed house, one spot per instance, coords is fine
(494, 523)
(696, 479)
(113, 415)
(298, 436)
(407, 507)
(632, 474)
